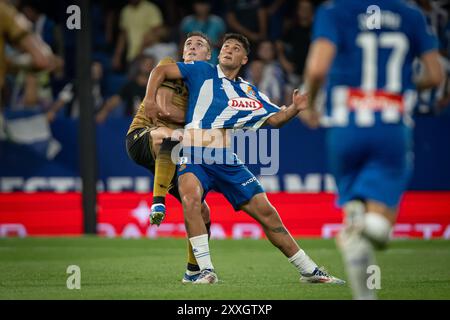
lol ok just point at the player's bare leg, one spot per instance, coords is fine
(262, 211)
(367, 227)
(191, 192)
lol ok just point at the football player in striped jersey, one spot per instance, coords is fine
(219, 100)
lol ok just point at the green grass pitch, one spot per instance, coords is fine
(35, 268)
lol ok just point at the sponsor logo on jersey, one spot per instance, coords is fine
(244, 104)
(374, 100)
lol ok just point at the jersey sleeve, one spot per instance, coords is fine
(267, 104)
(424, 38)
(325, 25)
(194, 70)
(259, 117)
(166, 60)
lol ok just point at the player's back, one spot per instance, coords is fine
(370, 82)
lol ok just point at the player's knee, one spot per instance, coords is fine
(263, 207)
(377, 229)
(191, 203)
(269, 217)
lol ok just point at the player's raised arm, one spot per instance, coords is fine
(299, 103)
(157, 76)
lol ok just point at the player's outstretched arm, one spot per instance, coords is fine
(299, 103)
(157, 77)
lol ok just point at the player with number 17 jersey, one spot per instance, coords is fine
(370, 93)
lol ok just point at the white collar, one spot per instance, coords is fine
(221, 75)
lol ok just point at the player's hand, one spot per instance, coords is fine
(151, 110)
(300, 100)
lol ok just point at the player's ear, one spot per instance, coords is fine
(244, 61)
(208, 56)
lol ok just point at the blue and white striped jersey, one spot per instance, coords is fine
(370, 81)
(218, 102)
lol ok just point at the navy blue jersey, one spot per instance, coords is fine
(218, 102)
(371, 78)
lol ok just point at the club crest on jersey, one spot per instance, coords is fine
(244, 104)
(251, 92)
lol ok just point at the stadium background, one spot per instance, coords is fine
(40, 150)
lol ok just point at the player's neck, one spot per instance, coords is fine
(230, 73)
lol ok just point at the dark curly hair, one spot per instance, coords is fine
(239, 37)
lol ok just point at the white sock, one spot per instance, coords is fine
(200, 248)
(303, 262)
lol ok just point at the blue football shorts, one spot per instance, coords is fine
(373, 163)
(220, 169)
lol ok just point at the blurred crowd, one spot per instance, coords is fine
(130, 37)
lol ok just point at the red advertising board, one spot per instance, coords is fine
(422, 215)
